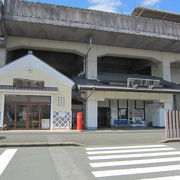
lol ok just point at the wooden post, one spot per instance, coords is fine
(177, 123)
(174, 133)
(170, 124)
(167, 124)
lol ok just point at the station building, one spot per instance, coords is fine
(120, 71)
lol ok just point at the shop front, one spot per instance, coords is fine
(122, 113)
(34, 96)
(141, 111)
(27, 112)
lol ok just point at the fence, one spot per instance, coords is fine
(172, 125)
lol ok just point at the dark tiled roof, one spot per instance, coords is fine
(8, 87)
(122, 78)
(104, 83)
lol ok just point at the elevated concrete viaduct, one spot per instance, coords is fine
(36, 20)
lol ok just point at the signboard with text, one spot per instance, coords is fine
(20, 83)
(136, 82)
(45, 124)
(137, 118)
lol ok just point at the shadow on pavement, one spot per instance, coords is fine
(2, 137)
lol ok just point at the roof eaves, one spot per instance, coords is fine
(126, 89)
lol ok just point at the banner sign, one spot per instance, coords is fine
(136, 82)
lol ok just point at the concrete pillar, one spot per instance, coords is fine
(162, 69)
(166, 70)
(91, 115)
(2, 57)
(91, 64)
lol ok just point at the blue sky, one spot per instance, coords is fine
(119, 6)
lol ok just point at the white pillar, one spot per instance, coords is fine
(91, 64)
(91, 115)
(2, 57)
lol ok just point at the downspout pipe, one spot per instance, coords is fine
(81, 74)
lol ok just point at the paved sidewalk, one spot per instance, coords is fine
(87, 138)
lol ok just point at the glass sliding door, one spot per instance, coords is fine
(34, 117)
(9, 116)
(22, 116)
(39, 116)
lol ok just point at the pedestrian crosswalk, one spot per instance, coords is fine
(150, 162)
(5, 158)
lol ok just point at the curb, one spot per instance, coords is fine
(170, 140)
(39, 144)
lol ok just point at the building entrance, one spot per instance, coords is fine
(27, 112)
(104, 117)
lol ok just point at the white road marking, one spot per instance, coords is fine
(124, 147)
(123, 172)
(164, 178)
(130, 151)
(5, 158)
(133, 155)
(134, 162)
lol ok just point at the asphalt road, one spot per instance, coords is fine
(109, 137)
(80, 163)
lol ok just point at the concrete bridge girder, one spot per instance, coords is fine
(129, 53)
(160, 60)
(14, 43)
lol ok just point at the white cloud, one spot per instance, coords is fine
(150, 2)
(105, 5)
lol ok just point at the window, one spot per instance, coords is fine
(61, 101)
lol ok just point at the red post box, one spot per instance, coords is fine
(79, 121)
